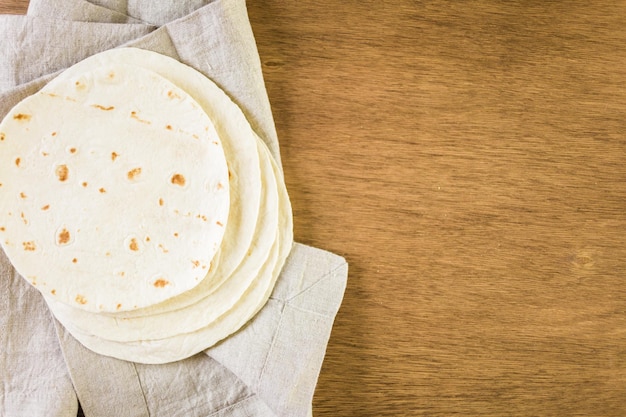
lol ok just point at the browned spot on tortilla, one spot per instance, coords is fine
(178, 179)
(196, 264)
(72, 150)
(160, 201)
(53, 133)
(175, 234)
(80, 299)
(53, 291)
(64, 237)
(2, 136)
(102, 190)
(51, 94)
(118, 306)
(62, 172)
(107, 254)
(18, 161)
(2, 229)
(111, 74)
(219, 223)
(79, 85)
(74, 260)
(169, 127)
(133, 245)
(22, 116)
(147, 238)
(101, 107)
(160, 283)
(23, 218)
(220, 186)
(134, 173)
(195, 136)
(163, 248)
(46, 207)
(22, 195)
(172, 95)
(133, 114)
(84, 184)
(29, 246)
(44, 153)
(113, 156)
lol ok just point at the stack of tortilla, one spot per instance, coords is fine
(135, 196)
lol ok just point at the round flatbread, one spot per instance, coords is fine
(114, 189)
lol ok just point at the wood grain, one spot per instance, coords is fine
(467, 158)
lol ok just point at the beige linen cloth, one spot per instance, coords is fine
(271, 366)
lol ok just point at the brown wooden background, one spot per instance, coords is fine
(467, 158)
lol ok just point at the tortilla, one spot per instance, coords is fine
(118, 199)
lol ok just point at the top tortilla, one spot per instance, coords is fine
(119, 198)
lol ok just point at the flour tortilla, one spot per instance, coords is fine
(212, 305)
(185, 345)
(239, 142)
(115, 192)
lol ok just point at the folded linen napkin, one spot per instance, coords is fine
(270, 367)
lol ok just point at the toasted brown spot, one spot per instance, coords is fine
(2, 229)
(175, 234)
(168, 127)
(29, 246)
(2, 136)
(196, 264)
(178, 179)
(160, 201)
(102, 190)
(22, 195)
(134, 173)
(18, 161)
(80, 299)
(219, 223)
(53, 291)
(46, 207)
(84, 184)
(62, 172)
(74, 260)
(111, 74)
(160, 283)
(79, 85)
(72, 150)
(64, 237)
(118, 306)
(107, 254)
(105, 108)
(229, 174)
(51, 94)
(22, 116)
(147, 239)
(133, 114)
(44, 153)
(23, 218)
(54, 133)
(220, 186)
(163, 248)
(113, 156)
(172, 95)
(133, 245)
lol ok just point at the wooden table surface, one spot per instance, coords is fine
(467, 158)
